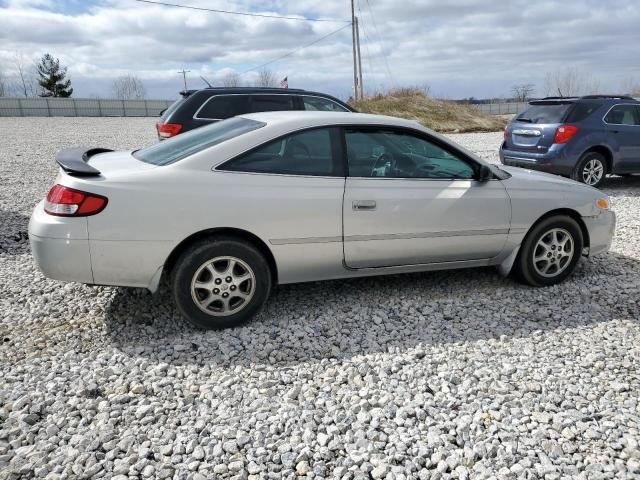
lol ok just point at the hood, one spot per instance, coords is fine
(542, 178)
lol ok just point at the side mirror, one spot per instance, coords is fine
(485, 174)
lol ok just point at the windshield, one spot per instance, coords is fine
(172, 108)
(547, 113)
(186, 144)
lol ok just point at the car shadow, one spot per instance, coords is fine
(622, 186)
(342, 319)
(14, 239)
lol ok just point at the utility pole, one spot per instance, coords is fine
(184, 76)
(353, 38)
(359, 61)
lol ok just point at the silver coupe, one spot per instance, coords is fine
(228, 210)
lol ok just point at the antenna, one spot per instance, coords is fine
(205, 81)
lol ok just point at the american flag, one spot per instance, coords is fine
(284, 83)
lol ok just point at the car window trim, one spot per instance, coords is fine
(335, 150)
(636, 115)
(197, 117)
(475, 165)
(344, 109)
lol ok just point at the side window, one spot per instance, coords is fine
(271, 103)
(399, 154)
(321, 104)
(223, 106)
(623, 115)
(304, 153)
(580, 111)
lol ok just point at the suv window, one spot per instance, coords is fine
(220, 107)
(321, 104)
(544, 113)
(194, 141)
(172, 108)
(400, 154)
(303, 153)
(623, 115)
(582, 110)
(271, 103)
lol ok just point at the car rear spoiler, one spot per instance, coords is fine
(74, 161)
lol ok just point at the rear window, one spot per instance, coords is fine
(547, 113)
(194, 141)
(172, 108)
(223, 106)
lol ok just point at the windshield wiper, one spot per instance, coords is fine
(522, 119)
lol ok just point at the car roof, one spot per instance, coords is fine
(586, 98)
(305, 118)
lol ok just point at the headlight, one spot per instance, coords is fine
(603, 203)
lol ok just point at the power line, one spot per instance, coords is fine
(245, 14)
(384, 56)
(296, 50)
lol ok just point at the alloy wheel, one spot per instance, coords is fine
(553, 252)
(592, 172)
(223, 286)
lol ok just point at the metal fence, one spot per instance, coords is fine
(506, 108)
(80, 107)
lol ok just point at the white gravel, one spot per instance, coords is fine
(439, 375)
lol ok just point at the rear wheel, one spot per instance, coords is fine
(591, 169)
(221, 283)
(550, 252)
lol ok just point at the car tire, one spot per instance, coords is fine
(550, 252)
(591, 169)
(221, 283)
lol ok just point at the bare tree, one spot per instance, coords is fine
(570, 82)
(523, 92)
(231, 79)
(128, 87)
(26, 81)
(631, 86)
(266, 78)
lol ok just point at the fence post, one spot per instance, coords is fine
(146, 109)
(124, 109)
(75, 107)
(99, 109)
(20, 108)
(46, 99)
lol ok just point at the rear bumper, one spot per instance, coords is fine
(601, 229)
(553, 161)
(60, 246)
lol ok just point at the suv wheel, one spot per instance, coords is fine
(221, 283)
(591, 169)
(550, 252)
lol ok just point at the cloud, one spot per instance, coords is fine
(460, 48)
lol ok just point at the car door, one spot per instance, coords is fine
(411, 199)
(293, 187)
(623, 136)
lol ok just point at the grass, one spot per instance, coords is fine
(438, 115)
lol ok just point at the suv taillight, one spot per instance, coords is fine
(66, 202)
(168, 130)
(564, 133)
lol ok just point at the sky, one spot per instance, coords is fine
(458, 48)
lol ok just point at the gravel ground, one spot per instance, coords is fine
(442, 375)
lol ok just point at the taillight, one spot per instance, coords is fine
(505, 135)
(168, 130)
(66, 202)
(564, 133)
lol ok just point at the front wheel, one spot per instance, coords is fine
(221, 283)
(591, 169)
(550, 252)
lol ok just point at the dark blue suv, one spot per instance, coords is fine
(584, 138)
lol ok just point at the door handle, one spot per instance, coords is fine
(364, 205)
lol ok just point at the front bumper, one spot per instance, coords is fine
(60, 246)
(601, 229)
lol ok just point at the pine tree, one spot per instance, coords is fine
(52, 78)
